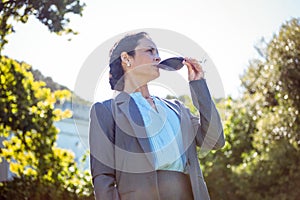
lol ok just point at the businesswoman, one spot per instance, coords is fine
(143, 147)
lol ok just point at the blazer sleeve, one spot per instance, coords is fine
(102, 161)
(209, 128)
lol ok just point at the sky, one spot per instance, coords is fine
(227, 30)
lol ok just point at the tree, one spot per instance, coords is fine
(52, 13)
(275, 102)
(27, 118)
(261, 157)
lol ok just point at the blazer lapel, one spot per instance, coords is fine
(129, 119)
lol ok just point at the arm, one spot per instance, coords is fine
(209, 128)
(101, 137)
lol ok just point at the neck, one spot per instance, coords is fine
(144, 91)
(133, 85)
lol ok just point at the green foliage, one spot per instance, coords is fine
(29, 188)
(27, 117)
(51, 13)
(261, 157)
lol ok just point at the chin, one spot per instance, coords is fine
(156, 74)
(153, 77)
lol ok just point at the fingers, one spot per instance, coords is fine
(195, 71)
(188, 64)
(194, 64)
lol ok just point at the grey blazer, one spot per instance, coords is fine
(122, 165)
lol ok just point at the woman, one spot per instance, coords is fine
(142, 146)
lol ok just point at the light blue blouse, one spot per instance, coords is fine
(163, 129)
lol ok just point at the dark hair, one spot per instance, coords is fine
(127, 44)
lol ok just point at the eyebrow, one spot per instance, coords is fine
(152, 48)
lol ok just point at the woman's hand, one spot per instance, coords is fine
(195, 71)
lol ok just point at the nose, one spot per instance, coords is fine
(157, 58)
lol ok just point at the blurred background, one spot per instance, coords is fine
(255, 46)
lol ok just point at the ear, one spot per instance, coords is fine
(126, 63)
(124, 57)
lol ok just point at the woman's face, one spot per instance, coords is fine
(143, 65)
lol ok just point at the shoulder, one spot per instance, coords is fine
(105, 103)
(101, 106)
(175, 104)
(178, 106)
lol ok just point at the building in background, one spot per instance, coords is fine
(73, 133)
